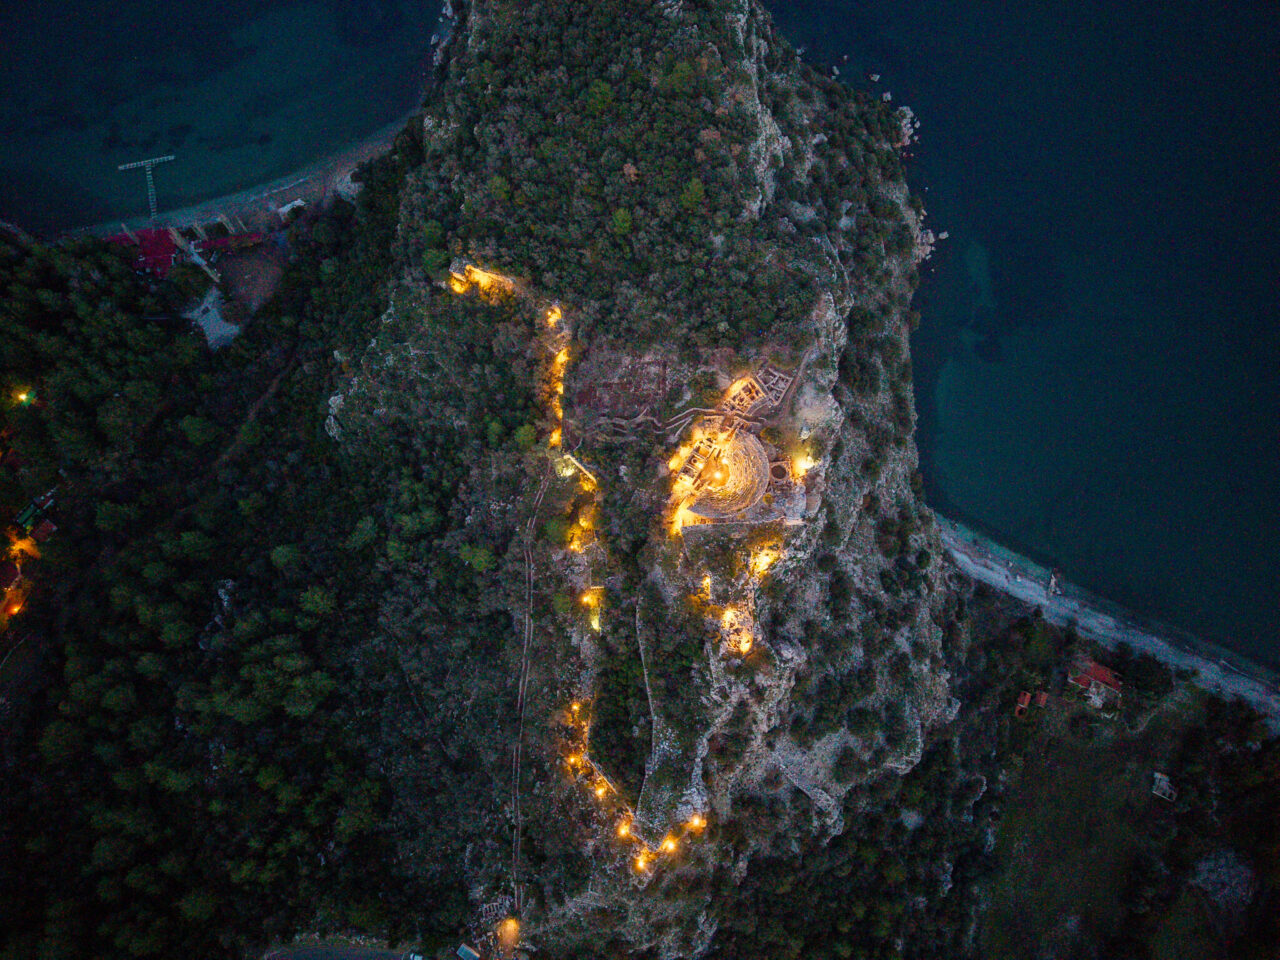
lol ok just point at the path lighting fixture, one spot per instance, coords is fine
(509, 934)
(624, 829)
(601, 789)
(697, 822)
(22, 397)
(802, 465)
(484, 279)
(575, 706)
(642, 861)
(762, 560)
(669, 844)
(678, 520)
(554, 315)
(591, 600)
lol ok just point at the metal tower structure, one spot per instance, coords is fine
(151, 182)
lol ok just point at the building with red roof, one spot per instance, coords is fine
(157, 251)
(1024, 701)
(1100, 684)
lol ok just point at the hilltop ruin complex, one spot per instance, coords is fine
(717, 560)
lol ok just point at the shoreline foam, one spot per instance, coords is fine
(1214, 668)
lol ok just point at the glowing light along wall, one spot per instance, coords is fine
(591, 599)
(559, 366)
(644, 858)
(487, 283)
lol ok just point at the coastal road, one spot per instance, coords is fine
(1024, 580)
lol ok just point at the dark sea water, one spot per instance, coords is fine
(1098, 369)
(240, 91)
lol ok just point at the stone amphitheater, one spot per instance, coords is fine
(733, 480)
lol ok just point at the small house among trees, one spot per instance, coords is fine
(1163, 787)
(1100, 684)
(1024, 701)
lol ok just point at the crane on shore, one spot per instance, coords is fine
(147, 166)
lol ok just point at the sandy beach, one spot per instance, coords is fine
(1214, 668)
(256, 209)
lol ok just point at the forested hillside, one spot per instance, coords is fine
(266, 676)
(382, 622)
(180, 772)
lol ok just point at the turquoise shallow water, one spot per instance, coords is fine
(240, 92)
(1098, 369)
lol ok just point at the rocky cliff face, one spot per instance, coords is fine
(691, 693)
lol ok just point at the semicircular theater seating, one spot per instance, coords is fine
(733, 480)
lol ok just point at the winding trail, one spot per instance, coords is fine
(517, 755)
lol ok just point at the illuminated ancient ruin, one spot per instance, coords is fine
(466, 277)
(725, 474)
(737, 630)
(733, 477)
